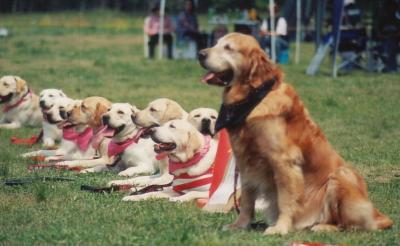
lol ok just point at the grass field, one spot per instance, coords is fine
(101, 53)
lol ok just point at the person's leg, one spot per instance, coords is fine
(391, 51)
(280, 45)
(168, 41)
(153, 40)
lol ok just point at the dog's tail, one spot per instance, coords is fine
(382, 221)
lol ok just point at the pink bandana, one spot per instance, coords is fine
(173, 166)
(82, 140)
(115, 148)
(98, 136)
(7, 108)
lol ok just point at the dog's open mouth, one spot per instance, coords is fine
(147, 131)
(218, 78)
(6, 98)
(164, 147)
(65, 124)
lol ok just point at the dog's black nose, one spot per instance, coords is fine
(202, 55)
(42, 104)
(63, 114)
(69, 113)
(205, 121)
(106, 119)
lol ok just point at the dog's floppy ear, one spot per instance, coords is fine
(62, 94)
(173, 112)
(259, 66)
(101, 108)
(193, 142)
(134, 110)
(21, 84)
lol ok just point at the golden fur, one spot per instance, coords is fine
(283, 155)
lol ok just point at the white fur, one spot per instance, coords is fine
(25, 114)
(184, 135)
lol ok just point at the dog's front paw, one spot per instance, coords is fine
(117, 182)
(87, 170)
(177, 199)
(125, 173)
(141, 181)
(276, 230)
(48, 143)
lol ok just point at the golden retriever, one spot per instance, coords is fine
(281, 152)
(20, 104)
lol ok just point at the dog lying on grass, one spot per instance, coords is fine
(281, 153)
(51, 133)
(126, 151)
(75, 118)
(191, 157)
(20, 104)
(156, 113)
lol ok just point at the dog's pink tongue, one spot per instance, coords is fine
(208, 76)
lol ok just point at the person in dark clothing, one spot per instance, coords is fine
(387, 31)
(188, 26)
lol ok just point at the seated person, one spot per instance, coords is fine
(188, 26)
(152, 29)
(280, 33)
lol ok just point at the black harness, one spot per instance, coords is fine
(234, 115)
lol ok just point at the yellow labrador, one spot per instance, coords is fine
(190, 155)
(51, 133)
(126, 151)
(156, 113)
(204, 120)
(20, 105)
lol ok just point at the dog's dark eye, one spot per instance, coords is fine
(108, 110)
(213, 117)
(6, 85)
(51, 95)
(171, 126)
(152, 109)
(120, 112)
(227, 47)
(197, 116)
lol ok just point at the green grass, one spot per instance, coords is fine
(101, 53)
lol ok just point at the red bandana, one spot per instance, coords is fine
(82, 140)
(173, 166)
(115, 148)
(8, 107)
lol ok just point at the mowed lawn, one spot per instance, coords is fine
(101, 53)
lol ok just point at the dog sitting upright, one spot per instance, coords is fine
(125, 151)
(190, 155)
(51, 133)
(20, 104)
(156, 113)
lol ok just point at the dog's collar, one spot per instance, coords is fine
(82, 140)
(173, 166)
(8, 107)
(234, 115)
(116, 148)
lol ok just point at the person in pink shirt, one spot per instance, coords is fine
(152, 29)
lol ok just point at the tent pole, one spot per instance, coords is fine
(298, 31)
(272, 25)
(161, 34)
